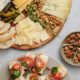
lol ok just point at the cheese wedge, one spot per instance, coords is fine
(23, 24)
(23, 40)
(7, 44)
(59, 8)
(38, 27)
(44, 35)
(5, 28)
(19, 18)
(21, 3)
(18, 2)
(9, 34)
(25, 5)
(1, 24)
(29, 32)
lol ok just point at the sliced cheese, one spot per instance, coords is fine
(59, 8)
(30, 32)
(25, 5)
(23, 40)
(24, 23)
(5, 28)
(21, 3)
(44, 35)
(37, 37)
(38, 27)
(19, 18)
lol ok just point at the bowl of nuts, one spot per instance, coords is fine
(70, 49)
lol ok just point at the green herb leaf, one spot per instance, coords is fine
(24, 64)
(16, 74)
(54, 70)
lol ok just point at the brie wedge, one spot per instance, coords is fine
(59, 8)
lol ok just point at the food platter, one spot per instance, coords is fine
(51, 62)
(36, 22)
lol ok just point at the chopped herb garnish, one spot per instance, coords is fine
(54, 70)
(16, 74)
(24, 64)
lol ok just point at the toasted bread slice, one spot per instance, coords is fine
(9, 34)
(5, 28)
(7, 44)
(1, 24)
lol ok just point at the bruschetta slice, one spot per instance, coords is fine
(40, 63)
(27, 61)
(15, 69)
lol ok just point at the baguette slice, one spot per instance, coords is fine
(7, 44)
(5, 28)
(1, 24)
(8, 35)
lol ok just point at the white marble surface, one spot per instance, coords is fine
(53, 48)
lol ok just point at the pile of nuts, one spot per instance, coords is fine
(71, 47)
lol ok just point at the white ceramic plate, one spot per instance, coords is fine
(51, 63)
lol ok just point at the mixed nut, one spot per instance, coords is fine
(71, 47)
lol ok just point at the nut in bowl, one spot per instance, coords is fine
(70, 49)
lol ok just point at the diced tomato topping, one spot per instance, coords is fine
(16, 66)
(28, 60)
(55, 76)
(34, 77)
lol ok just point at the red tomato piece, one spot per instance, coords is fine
(16, 66)
(55, 76)
(28, 60)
